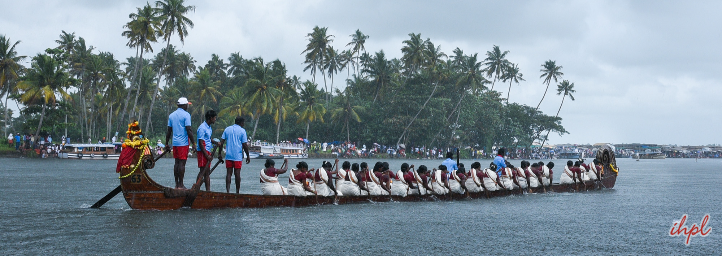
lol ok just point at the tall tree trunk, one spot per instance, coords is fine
(417, 113)
(66, 127)
(308, 125)
(550, 130)
(325, 87)
(545, 94)
(138, 61)
(348, 133)
(280, 119)
(6, 112)
(157, 85)
(255, 126)
(507, 94)
(40, 124)
(448, 118)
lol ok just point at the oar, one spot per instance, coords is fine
(202, 177)
(117, 190)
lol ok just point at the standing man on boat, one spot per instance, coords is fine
(499, 161)
(450, 164)
(203, 152)
(179, 125)
(237, 143)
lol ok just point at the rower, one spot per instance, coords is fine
(520, 178)
(439, 182)
(269, 178)
(297, 184)
(538, 171)
(373, 180)
(532, 180)
(594, 170)
(584, 170)
(568, 175)
(578, 175)
(322, 177)
(506, 176)
(400, 185)
(490, 178)
(422, 179)
(546, 173)
(203, 152)
(344, 184)
(457, 182)
(362, 178)
(473, 183)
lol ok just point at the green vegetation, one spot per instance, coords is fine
(424, 98)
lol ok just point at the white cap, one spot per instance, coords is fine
(183, 101)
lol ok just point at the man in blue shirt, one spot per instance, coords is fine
(450, 163)
(499, 161)
(17, 141)
(203, 152)
(179, 125)
(237, 143)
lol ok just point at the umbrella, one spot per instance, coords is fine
(305, 141)
(402, 146)
(301, 139)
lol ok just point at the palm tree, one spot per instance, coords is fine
(358, 41)
(332, 66)
(471, 79)
(567, 89)
(316, 52)
(310, 109)
(45, 81)
(380, 72)
(172, 13)
(495, 63)
(82, 53)
(346, 111)
(67, 44)
(550, 71)
(143, 29)
(413, 51)
(513, 75)
(233, 103)
(206, 90)
(260, 91)
(433, 59)
(9, 68)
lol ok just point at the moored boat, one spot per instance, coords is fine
(92, 151)
(142, 193)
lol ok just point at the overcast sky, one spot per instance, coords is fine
(644, 71)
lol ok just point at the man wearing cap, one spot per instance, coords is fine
(237, 143)
(179, 125)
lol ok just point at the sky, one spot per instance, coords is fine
(644, 71)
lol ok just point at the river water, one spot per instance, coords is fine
(44, 209)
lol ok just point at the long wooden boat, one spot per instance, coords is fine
(142, 193)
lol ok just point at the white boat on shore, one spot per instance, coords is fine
(265, 150)
(91, 151)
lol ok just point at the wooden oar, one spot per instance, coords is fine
(117, 190)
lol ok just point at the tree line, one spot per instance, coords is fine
(425, 98)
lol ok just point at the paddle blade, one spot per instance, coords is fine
(107, 197)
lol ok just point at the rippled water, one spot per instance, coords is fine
(43, 209)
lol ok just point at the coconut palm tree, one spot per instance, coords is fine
(45, 83)
(172, 13)
(9, 67)
(260, 92)
(318, 42)
(206, 92)
(567, 89)
(346, 111)
(310, 109)
(495, 63)
(358, 41)
(333, 65)
(82, 53)
(550, 71)
(66, 43)
(413, 54)
(233, 103)
(379, 71)
(143, 29)
(512, 74)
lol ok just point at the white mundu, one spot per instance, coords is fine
(437, 185)
(520, 178)
(566, 176)
(321, 188)
(374, 185)
(545, 177)
(473, 183)
(455, 184)
(489, 183)
(593, 171)
(506, 179)
(585, 177)
(533, 179)
(420, 189)
(295, 187)
(270, 185)
(398, 185)
(345, 187)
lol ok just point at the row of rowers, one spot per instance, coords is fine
(357, 179)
